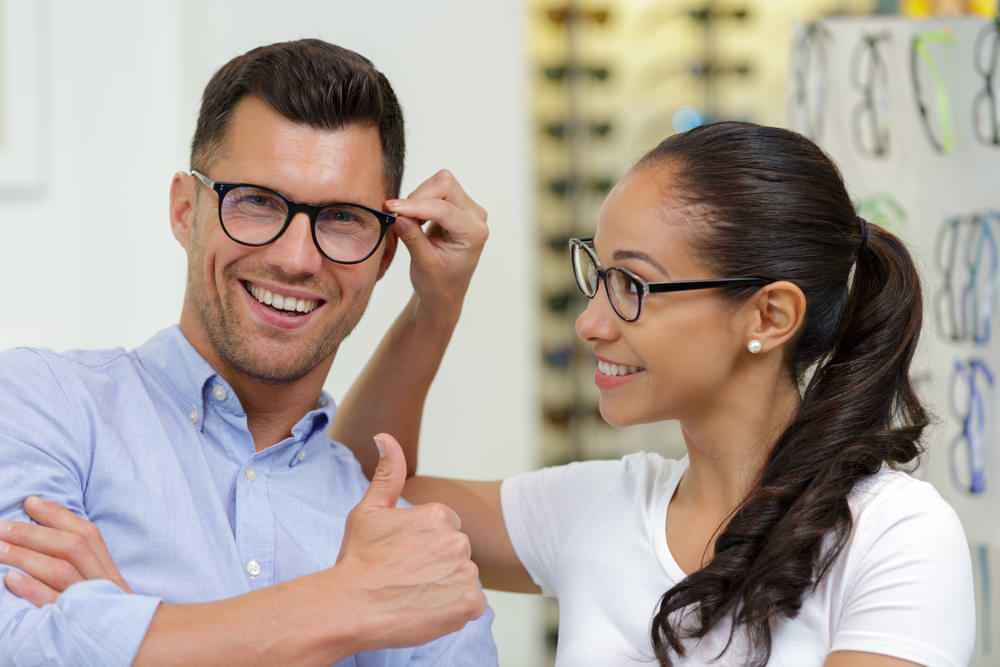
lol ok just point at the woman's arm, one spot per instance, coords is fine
(390, 393)
(478, 506)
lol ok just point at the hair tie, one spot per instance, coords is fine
(864, 235)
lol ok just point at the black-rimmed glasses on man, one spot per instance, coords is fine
(626, 291)
(253, 215)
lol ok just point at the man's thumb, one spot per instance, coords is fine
(390, 475)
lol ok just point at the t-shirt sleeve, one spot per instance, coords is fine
(911, 594)
(542, 509)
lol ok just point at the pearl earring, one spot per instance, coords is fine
(755, 346)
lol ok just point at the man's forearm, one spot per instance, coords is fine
(299, 622)
(390, 393)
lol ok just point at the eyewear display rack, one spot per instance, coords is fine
(909, 111)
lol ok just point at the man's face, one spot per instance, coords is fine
(228, 281)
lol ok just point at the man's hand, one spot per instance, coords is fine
(444, 255)
(407, 573)
(63, 550)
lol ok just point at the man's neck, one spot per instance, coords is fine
(272, 409)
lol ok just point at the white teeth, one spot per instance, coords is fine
(616, 370)
(282, 302)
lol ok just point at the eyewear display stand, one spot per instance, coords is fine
(908, 110)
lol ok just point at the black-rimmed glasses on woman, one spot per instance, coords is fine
(253, 215)
(626, 291)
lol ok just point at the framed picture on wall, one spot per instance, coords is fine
(22, 111)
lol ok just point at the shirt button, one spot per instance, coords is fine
(194, 415)
(219, 393)
(253, 569)
(250, 474)
(301, 457)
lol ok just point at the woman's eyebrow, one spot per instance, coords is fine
(635, 254)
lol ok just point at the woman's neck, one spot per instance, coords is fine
(728, 445)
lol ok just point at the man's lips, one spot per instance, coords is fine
(283, 299)
(286, 310)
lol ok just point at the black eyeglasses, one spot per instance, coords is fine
(810, 79)
(565, 186)
(563, 130)
(985, 111)
(563, 72)
(626, 290)
(253, 215)
(870, 77)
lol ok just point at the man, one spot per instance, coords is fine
(213, 520)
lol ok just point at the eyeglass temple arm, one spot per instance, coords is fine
(205, 180)
(685, 285)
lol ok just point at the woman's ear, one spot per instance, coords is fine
(779, 310)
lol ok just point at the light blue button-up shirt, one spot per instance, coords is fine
(152, 446)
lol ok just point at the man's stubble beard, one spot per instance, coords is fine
(234, 344)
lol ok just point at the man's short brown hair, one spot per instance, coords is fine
(308, 81)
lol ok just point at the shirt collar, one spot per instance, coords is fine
(180, 369)
(190, 381)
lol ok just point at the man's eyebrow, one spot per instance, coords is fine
(635, 254)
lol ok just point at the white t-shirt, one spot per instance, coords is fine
(593, 535)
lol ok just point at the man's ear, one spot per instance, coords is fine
(391, 240)
(183, 197)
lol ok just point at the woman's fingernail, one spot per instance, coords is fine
(392, 203)
(379, 446)
(15, 577)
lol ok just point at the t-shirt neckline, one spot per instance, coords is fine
(658, 527)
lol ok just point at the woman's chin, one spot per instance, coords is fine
(622, 415)
(618, 416)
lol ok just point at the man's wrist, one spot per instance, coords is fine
(342, 626)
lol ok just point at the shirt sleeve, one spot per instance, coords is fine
(912, 593)
(45, 451)
(542, 509)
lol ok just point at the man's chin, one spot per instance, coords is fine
(263, 371)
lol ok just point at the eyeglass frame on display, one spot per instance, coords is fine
(872, 207)
(294, 208)
(967, 370)
(814, 36)
(645, 287)
(869, 43)
(987, 96)
(919, 51)
(947, 244)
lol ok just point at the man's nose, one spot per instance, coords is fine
(295, 252)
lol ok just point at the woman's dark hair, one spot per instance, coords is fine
(768, 202)
(308, 81)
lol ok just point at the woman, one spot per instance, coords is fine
(785, 536)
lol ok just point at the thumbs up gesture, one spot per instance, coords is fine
(408, 571)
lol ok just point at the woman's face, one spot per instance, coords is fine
(684, 351)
